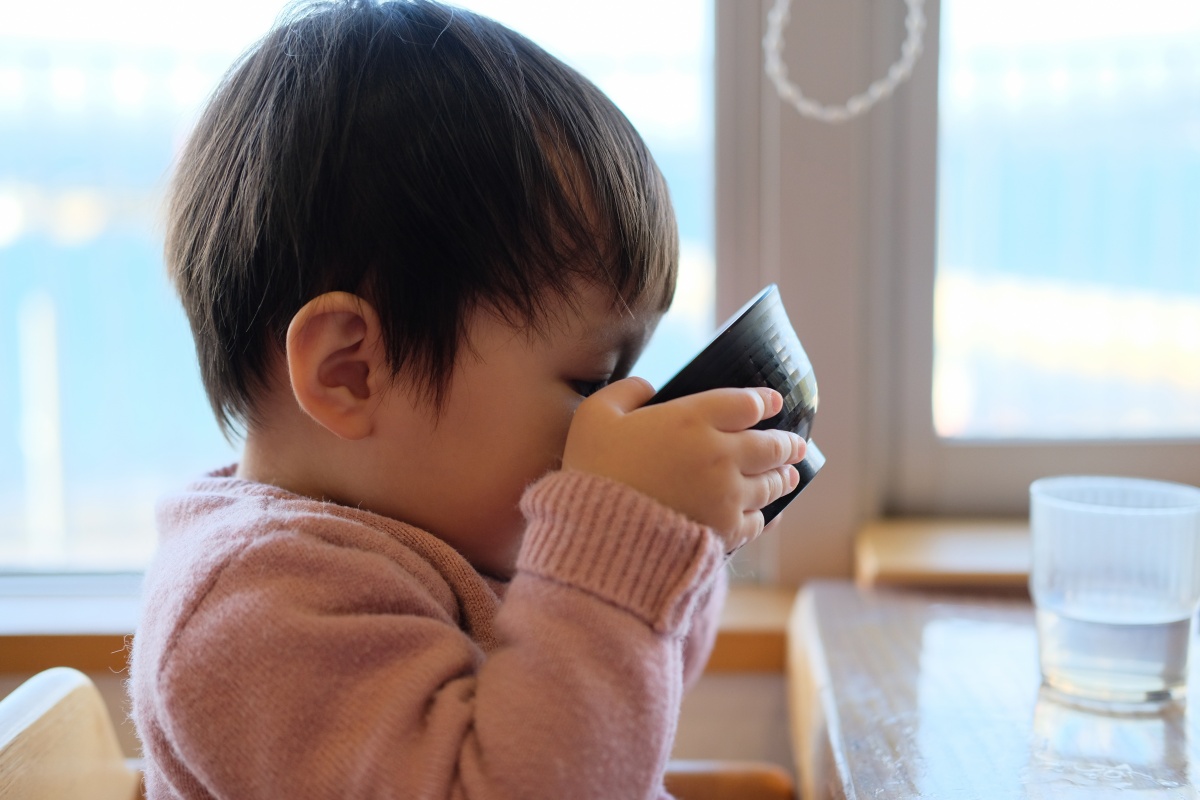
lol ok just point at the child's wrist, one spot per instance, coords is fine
(617, 543)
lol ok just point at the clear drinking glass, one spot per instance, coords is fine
(1115, 580)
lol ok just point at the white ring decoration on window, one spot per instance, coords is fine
(914, 22)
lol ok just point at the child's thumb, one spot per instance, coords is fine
(626, 395)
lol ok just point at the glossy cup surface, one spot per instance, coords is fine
(758, 346)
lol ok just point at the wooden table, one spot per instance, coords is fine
(902, 694)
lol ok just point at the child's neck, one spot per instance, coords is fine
(293, 453)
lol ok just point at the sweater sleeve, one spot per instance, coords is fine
(702, 634)
(282, 684)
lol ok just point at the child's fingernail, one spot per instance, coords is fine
(793, 477)
(772, 401)
(798, 447)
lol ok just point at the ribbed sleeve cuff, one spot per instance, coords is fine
(618, 544)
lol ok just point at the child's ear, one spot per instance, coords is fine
(336, 362)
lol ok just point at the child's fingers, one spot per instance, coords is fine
(749, 530)
(764, 450)
(624, 395)
(734, 410)
(764, 489)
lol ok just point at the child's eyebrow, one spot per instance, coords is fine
(624, 339)
(597, 345)
(604, 338)
(614, 335)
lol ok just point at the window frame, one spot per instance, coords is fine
(975, 476)
(843, 218)
(766, 157)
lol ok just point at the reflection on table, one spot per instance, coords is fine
(902, 694)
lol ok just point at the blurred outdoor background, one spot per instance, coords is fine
(1068, 283)
(101, 407)
(1068, 265)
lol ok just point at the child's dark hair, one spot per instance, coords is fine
(428, 159)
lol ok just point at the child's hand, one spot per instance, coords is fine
(694, 454)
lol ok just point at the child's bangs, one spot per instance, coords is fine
(606, 212)
(635, 220)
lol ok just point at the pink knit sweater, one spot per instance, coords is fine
(294, 648)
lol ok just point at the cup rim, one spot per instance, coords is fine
(1042, 489)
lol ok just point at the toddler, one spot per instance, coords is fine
(457, 556)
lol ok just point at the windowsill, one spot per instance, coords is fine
(86, 621)
(753, 632)
(81, 621)
(962, 554)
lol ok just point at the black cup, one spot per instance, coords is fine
(757, 346)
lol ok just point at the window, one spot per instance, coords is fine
(846, 219)
(1067, 297)
(1049, 323)
(101, 407)
(100, 402)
